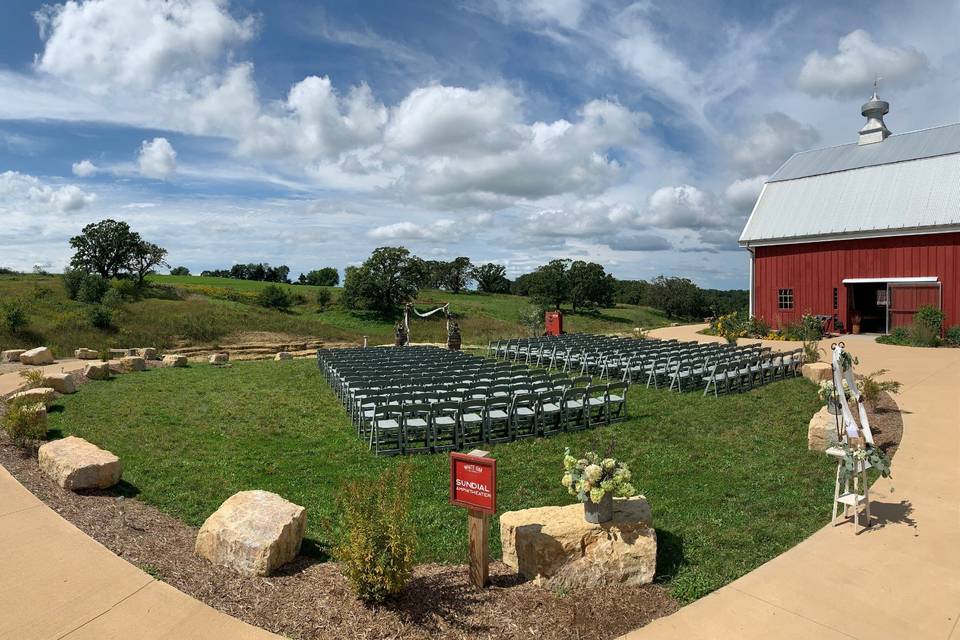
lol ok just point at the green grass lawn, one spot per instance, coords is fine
(190, 310)
(730, 480)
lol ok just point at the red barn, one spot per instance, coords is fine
(863, 233)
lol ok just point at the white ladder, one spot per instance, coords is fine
(851, 498)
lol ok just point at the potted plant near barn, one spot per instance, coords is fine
(595, 481)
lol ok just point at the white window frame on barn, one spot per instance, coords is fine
(785, 299)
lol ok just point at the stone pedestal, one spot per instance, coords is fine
(11, 355)
(99, 371)
(817, 372)
(44, 395)
(822, 432)
(73, 463)
(253, 532)
(132, 363)
(147, 353)
(38, 356)
(60, 382)
(86, 354)
(557, 547)
(174, 360)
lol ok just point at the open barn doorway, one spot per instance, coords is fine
(867, 307)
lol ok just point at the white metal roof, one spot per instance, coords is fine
(903, 196)
(925, 143)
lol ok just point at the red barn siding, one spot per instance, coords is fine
(813, 269)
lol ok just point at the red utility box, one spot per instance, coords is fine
(553, 323)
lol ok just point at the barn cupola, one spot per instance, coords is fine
(875, 130)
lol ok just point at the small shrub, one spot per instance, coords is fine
(92, 289)
(124, 289)
(274, 297)
(952, 337)
(927, 324)
(101, 317)
(899, 336)
(378, 540)
(179, 271)
(14, 317)
(323, 298)
(730, 327)
(24, 421)
(72, 279)
(112, 299)
(757, 327)
(871, 389)
(531, 320)
(32, 378)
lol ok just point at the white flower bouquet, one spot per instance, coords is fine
(591, 477)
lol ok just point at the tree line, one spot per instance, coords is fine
(263, 272)
(393, 276)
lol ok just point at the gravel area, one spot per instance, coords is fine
(310, 599)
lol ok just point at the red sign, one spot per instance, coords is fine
(473, 482)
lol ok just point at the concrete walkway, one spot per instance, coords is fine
(900, 579)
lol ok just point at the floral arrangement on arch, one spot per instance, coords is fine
(826, 392)
(591, 477)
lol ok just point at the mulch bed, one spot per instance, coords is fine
(310, 599)
(886, 424)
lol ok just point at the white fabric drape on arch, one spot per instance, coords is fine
(840, 375)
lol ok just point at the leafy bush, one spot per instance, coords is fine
(101, 317)
(125, 289)
(730, 327)
(927, 324)
(379, 540)
(112, 299)
(72, 279)
(179, 271)
(92, 289)
(531, 319)
(24, 420)
(274, 297)
(871, 389)
(14, 316)
(324, 297)
(952, 337)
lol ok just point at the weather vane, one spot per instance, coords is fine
(876, 84)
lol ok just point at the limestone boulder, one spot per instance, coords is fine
(174, 360)
(557, 547)
(100, 371)
(817, 372)
(73, 463)
(38, 356)
(43, 395)
(60, 382)
(86, 354)
(132, 363)
(11, 355)
(283, 355)
(147, 353)
(116, 354)
(822, 432)
(220, 358)
(253, 532)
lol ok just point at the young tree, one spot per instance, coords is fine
(387, 279)
(589, 285)
(104, 248)
(323, 298)
(491, 278)
(179, 271)
(144, 257)
(550, 283)
(678, 297)
(455, 275)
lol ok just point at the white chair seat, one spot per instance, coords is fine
(525, 411)
(595, 402)
(472, 417)
(387, 424)
(444, 421)
(419, 423)
(549, 408)
(497, 414)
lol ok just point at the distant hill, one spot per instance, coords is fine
(193, 311)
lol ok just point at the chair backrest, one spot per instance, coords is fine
(473, 406)
(450, 409)
(528, 400)
(581, 381)
(387, 411)
(416, 410)
(575, 393)
(596, 390)
(550, 397)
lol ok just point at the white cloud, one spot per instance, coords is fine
(584, 219)
(564, 13)
(84, 169)
(439, 230)
(639, 242)
(157, 159)
(102, 43)
(770, 142)
(742, 194)
(858, 61)
(24, 193)
(683, 207)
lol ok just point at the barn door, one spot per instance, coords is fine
(904, 300)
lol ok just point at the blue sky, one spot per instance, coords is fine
(307, 133)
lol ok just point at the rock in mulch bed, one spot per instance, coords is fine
(309, 598)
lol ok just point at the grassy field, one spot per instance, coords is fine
(730, 480)
(187, 310)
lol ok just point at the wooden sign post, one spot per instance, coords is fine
(473, 484)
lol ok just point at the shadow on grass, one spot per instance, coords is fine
(311, 553)
(669, 555)
(122, 489)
